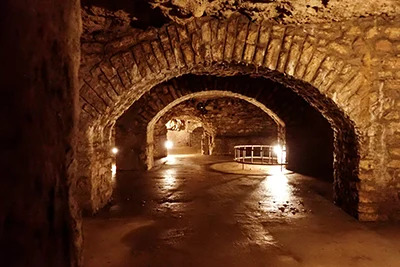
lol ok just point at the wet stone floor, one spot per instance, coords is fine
(184, 213)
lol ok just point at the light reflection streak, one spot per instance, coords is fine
(277, 188)
(169, 179)
(171, 160)
(113, 171)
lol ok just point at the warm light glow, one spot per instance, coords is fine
(114, 150)
(277, 149)
(171, 160)
(168, 144)
(278, 187)
(169, 181)
(113, 171)
(280, 153)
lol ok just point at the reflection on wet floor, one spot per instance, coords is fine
(185, 214)
(169, 181)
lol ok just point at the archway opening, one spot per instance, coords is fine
(223, 121)
(296, 103)
(312, 136)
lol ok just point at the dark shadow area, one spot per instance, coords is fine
(310, 140)
(143, 16)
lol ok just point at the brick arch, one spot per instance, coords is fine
(330, 80)
(205, 94)
(210, 46)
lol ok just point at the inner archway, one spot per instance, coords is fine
(310, 135)
(227, 121)
(207, 95)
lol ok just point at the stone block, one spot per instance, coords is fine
(251, 42)
(242, 29)
(159, 55)
(395, 152)
(372, 33)
(313, 66)
(176, 46)
(214, 41)
(305, 57)
(230, 40)
(294, 54)
(141, 61)
(395, 163)
(151, 59)
(93, 98)
(284, 53)
(206, 41)
(220, 41)
(383, 45)
(274, 47)
(188, 54)
(393, 33)
(341, 49)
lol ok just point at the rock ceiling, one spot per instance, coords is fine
(111, 15)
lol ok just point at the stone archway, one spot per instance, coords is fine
(316, 64)
(212, 93)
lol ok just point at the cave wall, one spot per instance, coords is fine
(40, 52)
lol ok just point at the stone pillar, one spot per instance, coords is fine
(196, 138)
(39, 48)
(160, 136)
(85, 156)
(95, 158)
(379, 187)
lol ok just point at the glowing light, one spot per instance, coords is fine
(169, 180)
(114, 150)
(280, 153)
(171, 160)
(277, 149)
(168, 144)
(278, 187)
(113, 171)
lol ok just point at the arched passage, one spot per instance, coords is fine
(212, 93)
(294, 56)
(189, 137)
(279, 100)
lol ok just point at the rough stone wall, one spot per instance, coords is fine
(336, 67)
(179, 138)
(285, 11)
(381, 143)
(95, 160)
(160, 136)
(235, 122)
(197, 135)
(39, 48)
